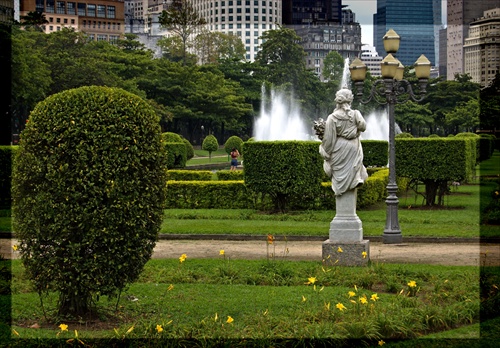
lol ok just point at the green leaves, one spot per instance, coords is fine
(88, 192)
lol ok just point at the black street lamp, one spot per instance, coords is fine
(392, 89)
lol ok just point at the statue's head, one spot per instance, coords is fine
(344, 95)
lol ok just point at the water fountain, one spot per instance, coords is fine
(280, 119)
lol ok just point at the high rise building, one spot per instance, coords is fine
(297, 12)
(482, 48)
(414, 21)
(460, 13)
(99, 19)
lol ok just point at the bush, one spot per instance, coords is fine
(433, 136)
(88, 193)
(210, 144)
(233, 142)
(189, 175)
(283, 169)
(403, 135)
(176, 155)
(209, 194)
(189, 149)
(375, 153)
(230, 175)
(6, 156)
(435, 162)
(170, 137)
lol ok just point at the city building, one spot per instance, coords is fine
(301, 12)
(99, 19)
(460, 13)
(372, 60)
(414, 21)
(482, 48)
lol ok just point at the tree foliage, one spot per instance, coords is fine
(210, 144)
(88, 194)
(217, 47)
(182, 19)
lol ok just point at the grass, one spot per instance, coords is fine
(202, 157)
(268, 300)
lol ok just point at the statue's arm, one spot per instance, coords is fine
(360, 121)
(329, 139)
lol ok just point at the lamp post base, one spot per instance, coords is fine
(392, 238)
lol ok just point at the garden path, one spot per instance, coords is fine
(452, 254)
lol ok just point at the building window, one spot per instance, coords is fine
(111, 12)
(40, 6)
(91, 10)
(50, 6)
(71, 8)
(61, 8)
(101, 11)
(81, 9)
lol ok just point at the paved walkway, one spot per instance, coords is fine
(453, 254)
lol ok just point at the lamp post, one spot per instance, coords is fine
(392, 89)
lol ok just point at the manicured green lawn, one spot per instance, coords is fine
(267, 300)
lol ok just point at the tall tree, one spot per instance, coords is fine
(490, 105)
(35, 20)
(413, 117)
(214, 47)
(183, 20)
(333, 67)
(465, 117)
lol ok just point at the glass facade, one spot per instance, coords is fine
(414, 23)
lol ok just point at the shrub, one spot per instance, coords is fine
(6, 156)
(170, 137)
(433, 136)
(176, 155)
(283, 169)
(88, 193)
(403, 135)
(189, 149)
(435, 162)
(375, 153)
(209, 194)
(233, 142)
(230, 175)
(210, 144)
(189, 175)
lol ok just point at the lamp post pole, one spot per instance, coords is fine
(389, 91)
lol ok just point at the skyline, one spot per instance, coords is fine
(364, 10)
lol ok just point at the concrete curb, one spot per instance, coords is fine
(249, 237)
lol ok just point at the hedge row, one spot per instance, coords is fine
(177, 154)
(6, 156)
(375, 153)
(237, 195)
(189, 175)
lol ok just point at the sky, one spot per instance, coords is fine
(364, 10)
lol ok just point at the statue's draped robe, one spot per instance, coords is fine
(342, 152)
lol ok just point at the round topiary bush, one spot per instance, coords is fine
(189, 149)
(210, 144)
(88, 193)
(403, 135)
(233, 142)
(170, 137)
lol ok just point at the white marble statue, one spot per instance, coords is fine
(341, 147)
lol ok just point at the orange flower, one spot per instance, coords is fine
(270, 239)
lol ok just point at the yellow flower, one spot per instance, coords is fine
(381, 343)
(183, 258)
(15, 332)
(229, 319)
(159, 328)
(63, 327)
(340, 306)
(270, 239)
(340, 250)
(352, 294)
(363, 300)
(221, 252)
(327, 306)
(412, 284)
(15, 247)
(216, 317)
(374, 297)
(304, 299)
(130, 330)
(171, 287)
(311, 280)
(364, 254)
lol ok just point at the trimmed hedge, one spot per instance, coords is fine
(233, 142)
(189, 175)
(283, 169)
(486, 146)
(236, 195)
(230, 175)
(176, 155)
(375, 153)
(6, 158)
(209, 194)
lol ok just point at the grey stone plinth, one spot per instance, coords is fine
(349, 254)
(346, 227)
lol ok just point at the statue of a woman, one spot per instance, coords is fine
(341, 147)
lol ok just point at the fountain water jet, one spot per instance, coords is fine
(280, 120)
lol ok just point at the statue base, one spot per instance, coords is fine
(346, 227)
(346, 254)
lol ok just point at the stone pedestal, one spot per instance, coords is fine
(346, 232)
(346, 254)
